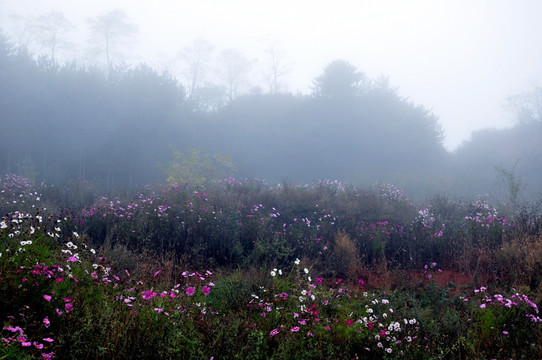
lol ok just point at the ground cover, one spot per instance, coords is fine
(246, 270)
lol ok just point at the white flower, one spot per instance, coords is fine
(280, 272)
(306, 270)
(385, 301)
(75, 234)
(93, 251)
(369, 311)
(273, 273)
(297, 261)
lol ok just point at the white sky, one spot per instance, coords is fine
(460, 58)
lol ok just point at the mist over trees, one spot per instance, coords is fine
(120, 126)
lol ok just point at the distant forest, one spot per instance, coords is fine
(120, 128)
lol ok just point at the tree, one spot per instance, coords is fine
(277, 69)
(51, 30)
(527, 106)
(340, 79)
(198, 168)
(234, 68)
(196, 58)
(108, 32)
(21, 31)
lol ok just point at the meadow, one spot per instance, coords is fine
(241, 269)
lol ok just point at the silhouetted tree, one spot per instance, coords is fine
(340, 79)
(51, 30)
(233, 68)
(108, 32)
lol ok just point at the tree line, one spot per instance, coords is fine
(119, 127)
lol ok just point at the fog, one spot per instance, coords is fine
(425, 82)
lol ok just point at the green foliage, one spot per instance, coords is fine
(510, 184)
(198, 168)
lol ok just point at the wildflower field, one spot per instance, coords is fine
(245, 270)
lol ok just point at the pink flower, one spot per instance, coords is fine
(206, 290)
(274, 332)
(190, 290)
(26, 343)
(38, 346)
(73, 259)
(158, 272)
(68, 307)
(47, 297)
(59, 312)
(48, 340)
(149, 294)
(46, 322)
(295, 329)
(349, 322)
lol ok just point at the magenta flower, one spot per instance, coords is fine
(38, 346)
(206, 290)
(48, 340)
(59, 312)
(46, 322)
(295, 329)
(73, 259)
(26, 343)
(158, 272)
(190, 290)
(68, 307)
(349, 322)
(149, 294)
(47, 297)
(274, 332)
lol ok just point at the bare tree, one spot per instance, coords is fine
(196, 59)
(109, 32)
(233, 69)
(21, 30)
(51, 30)
(527, 106)
(276, 68)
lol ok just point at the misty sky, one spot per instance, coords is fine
(458, 58)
